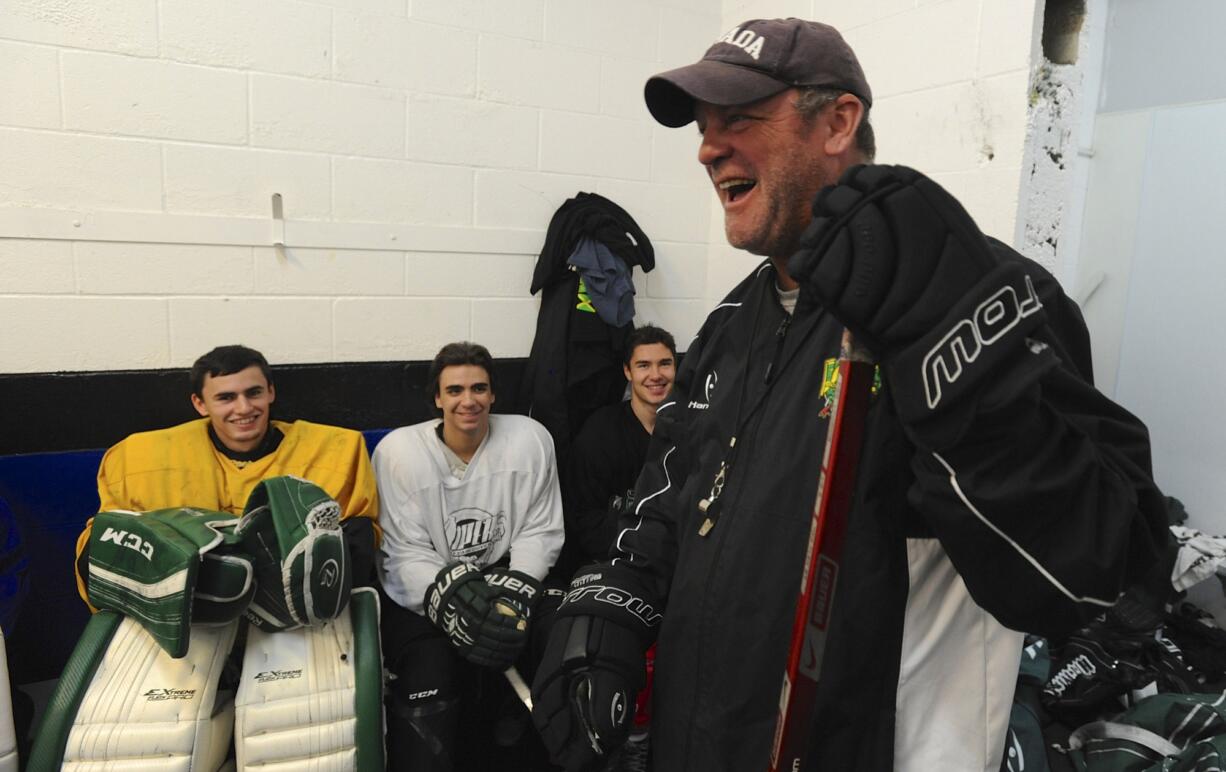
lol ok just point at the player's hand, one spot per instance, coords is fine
(515, 588)
(485, 630)
(584, 691)
(889, 253)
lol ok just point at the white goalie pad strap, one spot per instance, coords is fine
(8, 736)
(297, 702)
(144, 710)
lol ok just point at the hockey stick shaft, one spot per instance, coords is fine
(819, 577)
(519, 686)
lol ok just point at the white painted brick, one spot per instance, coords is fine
(1006, 36)
(326, 117)
(444, 130)
(933, 45)
(406, 54)
(734, 12)
(505, 327)
(594, 144)
(29, 266)
(471, 275)
(269, 36)
(621, 87)
(379, 329)
(726, 268)
(625, 28)
(990, 195)
(680, 317)
(507, 199)
(124, 26)
(664, 212)
(240, 182)
(42, 334)
(847, 16)
(112, 94)
(955, 128)
(402, 192)
(680, 272)
(518, 18)
(63, 171)
(674, 157)
(388, 7)
(110, 268)
(328, 272)
(29, 86)
(540, 74)
(685, 35)
(286, 330)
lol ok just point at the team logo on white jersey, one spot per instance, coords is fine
(472, 532)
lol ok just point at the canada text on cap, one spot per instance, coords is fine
(755, 60)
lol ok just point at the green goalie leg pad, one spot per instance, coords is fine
(364, 610)
(48, 752)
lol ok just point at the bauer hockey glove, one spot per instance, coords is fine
(516, 588)
(484, 629)
(897, 260)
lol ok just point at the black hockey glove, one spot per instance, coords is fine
(514, 587)
(898, 261)
(584, 691)
(484, 629)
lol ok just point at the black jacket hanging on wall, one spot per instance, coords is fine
(576, 360)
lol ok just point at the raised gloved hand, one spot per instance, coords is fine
(485, 629)
(584, 690)
(898, 261)
(514, 587)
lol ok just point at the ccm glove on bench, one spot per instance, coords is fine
(169, 569)
(291, 528)
(485, 629)
(898, 261)
(593, 667)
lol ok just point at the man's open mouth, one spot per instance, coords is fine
(736, 188)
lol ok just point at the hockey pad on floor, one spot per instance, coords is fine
(123, 704)
(312, 698)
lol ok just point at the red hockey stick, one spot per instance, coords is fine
(818, 581)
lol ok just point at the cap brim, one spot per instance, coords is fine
(671, 95)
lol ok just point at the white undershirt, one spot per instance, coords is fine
(787, 298)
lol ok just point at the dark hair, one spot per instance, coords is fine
(459, 353)
(645, 336)
(226, 360)
(811, 99)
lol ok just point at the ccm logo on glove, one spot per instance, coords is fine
(129, 540)
(963, 343)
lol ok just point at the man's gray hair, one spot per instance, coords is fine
(811, 99)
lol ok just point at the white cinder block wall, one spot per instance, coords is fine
(420, 147)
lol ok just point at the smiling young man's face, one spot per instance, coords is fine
(651, 372)
(766, 163)
(237, 407)
(464, 395)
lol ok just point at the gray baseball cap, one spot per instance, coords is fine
(754, 60)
